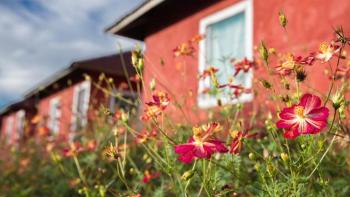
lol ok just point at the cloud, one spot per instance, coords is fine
(40, 37)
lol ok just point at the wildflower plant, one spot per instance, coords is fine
(292, 141)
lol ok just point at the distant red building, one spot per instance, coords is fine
(64, 103)
(14, 119)
(232, 29)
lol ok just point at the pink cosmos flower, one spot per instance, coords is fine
(201, 144)
(307, 117)
(327, 51)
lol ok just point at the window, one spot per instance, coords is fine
(9, 128)
(80, 106)
(228, 36)
(124, 101)
(54, 115)
(20, 123)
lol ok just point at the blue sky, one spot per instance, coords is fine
(40, 37)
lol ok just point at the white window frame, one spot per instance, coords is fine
(205, 100)
(86, 85)
(9, 128)
(20, 123)
(55, 129)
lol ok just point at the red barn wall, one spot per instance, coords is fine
(13, 133)
(66, 98)
(310, 23)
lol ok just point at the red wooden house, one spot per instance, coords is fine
(63, 104)
(232, 29)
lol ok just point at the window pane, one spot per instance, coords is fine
(81, 101)
(225, 41)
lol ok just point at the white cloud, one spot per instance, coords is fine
(39, 37)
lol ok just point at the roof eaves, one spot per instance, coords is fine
(49, 81)
(133, 15)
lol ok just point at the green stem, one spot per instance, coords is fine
(328, 148)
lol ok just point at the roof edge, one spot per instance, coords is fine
(132, 16)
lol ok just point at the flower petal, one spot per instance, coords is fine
(291, 134)
(287, 113)
(219, 145)
(310, 102)
(184, 148)
(319, 114)
(202, 152)
(187, 157)
(286, 124)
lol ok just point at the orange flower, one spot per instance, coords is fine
(43, 131)
(36, 119)
(91, 145)
(156, 106)
(197, 38)
(73, 150)
(287, 64)
(184, 49)
(209, 72)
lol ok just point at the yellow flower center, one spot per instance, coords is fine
(289, 61)
(324, 47)
(299, 111)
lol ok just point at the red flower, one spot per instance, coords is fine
(91, 145)
(237, 142)
(149, 176)
(307, 117)
(160, 99)
(238, 89)
(73, 150)
(327, 51)
(308, 60)
(244, 65)
(201, 144)
(157, 106)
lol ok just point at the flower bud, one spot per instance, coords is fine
(301, 75)
(251, 156)
(257, 166)
(282, 19)
(266, 84)
(187, 175)
(152, 84)
(87, 77)
(338, 100)
(125, 117)
(272, 51)
(264, 54)
(284, 156)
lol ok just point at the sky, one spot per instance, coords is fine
(41, 37)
